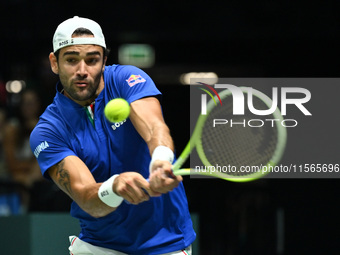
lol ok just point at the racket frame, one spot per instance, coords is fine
(195, 141)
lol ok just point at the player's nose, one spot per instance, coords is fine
(82, 70)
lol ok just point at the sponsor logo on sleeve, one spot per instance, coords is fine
(40, 148)
(135, 79)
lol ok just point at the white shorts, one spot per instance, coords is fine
(79, 247)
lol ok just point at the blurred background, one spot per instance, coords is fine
(173, 41)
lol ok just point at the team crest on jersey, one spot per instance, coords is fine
(135, 79)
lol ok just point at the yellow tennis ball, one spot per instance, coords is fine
(117, 110)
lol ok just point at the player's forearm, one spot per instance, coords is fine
(87, 198)
(160, 135)
(82, 188)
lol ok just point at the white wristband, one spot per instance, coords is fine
(106, 194)
(162, 153)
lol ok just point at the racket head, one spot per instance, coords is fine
(257, 148)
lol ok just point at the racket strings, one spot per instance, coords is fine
(237, 145)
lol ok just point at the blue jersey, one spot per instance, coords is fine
(160, 225)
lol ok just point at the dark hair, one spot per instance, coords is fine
(79, 32)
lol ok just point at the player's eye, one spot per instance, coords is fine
(71, 60)
(92, 61)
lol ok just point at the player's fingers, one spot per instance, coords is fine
(140, 196)
(129, 199)
(145, 186)
(167, 175)
(161, 164)
(152, 193)
(179, 178)
(139, 191)
(131, 190)
(161, 182)
(136, 196)
(172, 183)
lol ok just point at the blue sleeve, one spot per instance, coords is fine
(48, 147)
(131, 83)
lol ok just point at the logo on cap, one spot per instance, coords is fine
(63, 35)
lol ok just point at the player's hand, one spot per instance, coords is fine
(162, 179)
(133, 188)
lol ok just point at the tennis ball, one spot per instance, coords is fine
(117, 110)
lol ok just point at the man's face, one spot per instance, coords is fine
(80, 69)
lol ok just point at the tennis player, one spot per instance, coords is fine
(100, 164)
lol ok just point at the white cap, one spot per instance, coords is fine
(63, 35)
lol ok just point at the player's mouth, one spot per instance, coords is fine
(81, 84)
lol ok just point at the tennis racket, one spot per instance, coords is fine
(243, 152)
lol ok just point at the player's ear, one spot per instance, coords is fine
(54, 63)
(104, 62)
